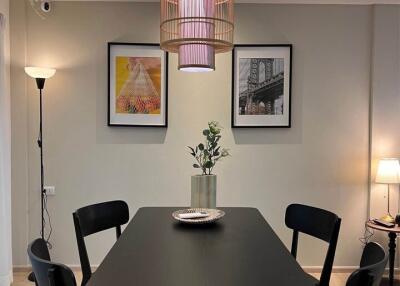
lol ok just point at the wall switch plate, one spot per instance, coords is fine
(50, 190)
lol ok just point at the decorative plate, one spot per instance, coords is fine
(213, 215)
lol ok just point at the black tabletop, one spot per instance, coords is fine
(240, 249)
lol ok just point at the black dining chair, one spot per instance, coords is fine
(95, 218)
(320, 224)
(372, 265)
(48, 273)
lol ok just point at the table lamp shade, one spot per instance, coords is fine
(388, 171)
(39, 72)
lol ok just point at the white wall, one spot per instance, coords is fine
(322, 160)
(5, 148)
(385, 116)
(385, 100)
(19, 132)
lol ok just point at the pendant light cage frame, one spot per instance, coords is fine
(197, 23)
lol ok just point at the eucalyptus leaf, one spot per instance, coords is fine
(201, 146)
(208, 164)
(196, 166)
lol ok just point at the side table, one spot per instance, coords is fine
(392, 233)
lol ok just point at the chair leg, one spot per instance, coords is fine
(295, 243)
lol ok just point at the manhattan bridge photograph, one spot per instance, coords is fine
(261, 86)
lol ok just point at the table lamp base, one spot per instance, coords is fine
(388, 218)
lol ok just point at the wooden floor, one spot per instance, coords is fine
(337, 279)
(20, 278)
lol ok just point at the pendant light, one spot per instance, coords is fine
(196, 30)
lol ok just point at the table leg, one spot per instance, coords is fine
(392, 253)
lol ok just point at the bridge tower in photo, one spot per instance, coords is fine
(265, 86)
(261, 70)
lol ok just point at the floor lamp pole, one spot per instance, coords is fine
(40, 85)
(40, 144)
(40, 74)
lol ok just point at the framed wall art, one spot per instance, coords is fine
(137, 85)
(261, 85)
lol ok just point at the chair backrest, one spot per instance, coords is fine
(372, 265)
(318, 223)
(48, 273)
(95, 218)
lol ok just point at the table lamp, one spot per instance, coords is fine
(388, 173)
(40, 75)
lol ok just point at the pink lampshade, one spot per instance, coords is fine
(196, 57)
(196, 30)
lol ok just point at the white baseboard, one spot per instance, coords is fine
(339, 269)
(28, 268)
(21, 268)
(335, 269)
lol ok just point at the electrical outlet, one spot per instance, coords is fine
(50, 190)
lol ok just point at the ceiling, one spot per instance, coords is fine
(351, 2)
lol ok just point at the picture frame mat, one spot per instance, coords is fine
(275, 51)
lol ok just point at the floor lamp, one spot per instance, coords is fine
(40, 75)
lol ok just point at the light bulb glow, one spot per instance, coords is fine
(196, 69)
(40, 72)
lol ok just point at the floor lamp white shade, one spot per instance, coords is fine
(5, 167)
(40, 72)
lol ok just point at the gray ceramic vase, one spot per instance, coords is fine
(204, 191)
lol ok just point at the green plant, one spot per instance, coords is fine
(209, 153)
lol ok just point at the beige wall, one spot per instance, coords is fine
(385, 116)
(5, 145)
(5, 10)
(385, 100)
(322, 160)
(19, 133)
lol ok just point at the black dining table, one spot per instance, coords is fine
(239, 249)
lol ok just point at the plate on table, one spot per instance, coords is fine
(209, 215)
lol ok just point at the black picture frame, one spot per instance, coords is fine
(288, 122)
(110, 45)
